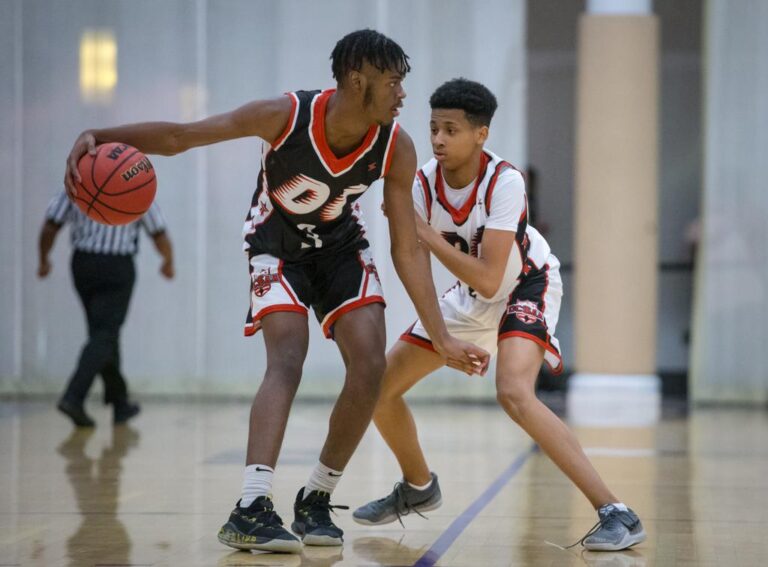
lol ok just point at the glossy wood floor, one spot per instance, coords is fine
(156, 493)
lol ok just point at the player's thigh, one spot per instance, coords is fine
(286, 337)
(518, 364)
(406, 365)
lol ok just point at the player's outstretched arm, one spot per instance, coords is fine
(412, 261)
(485, 273)
(263, 118)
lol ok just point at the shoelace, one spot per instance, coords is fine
(402, 503)
(265, 516)
(325, 507)
(614, 514)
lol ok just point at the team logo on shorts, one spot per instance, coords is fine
(263, 282)
(526, 311)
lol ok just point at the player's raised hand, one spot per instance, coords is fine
(464, 356)
(85, 143)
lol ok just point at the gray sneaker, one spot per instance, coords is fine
(400, 502)
(616, 530)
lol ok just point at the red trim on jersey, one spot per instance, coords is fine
(427, 193)
(460, 216)
(291, 121)
(390, 151)
(489, 192)
(339, 311)
(365, 271)
(543, 344)
(335, 164)
(284, 284)
(279, 308)
(417, 340)
(254, 327)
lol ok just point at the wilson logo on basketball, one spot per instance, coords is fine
(526, 311)
(144, 165)
(115, 153)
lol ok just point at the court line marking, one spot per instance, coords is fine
(452, 532)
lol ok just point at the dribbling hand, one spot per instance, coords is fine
(85, 143)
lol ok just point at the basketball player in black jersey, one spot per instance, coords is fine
(307, 249)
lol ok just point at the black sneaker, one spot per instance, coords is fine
(313, 520)
(258, 527)
(123, 411)
(75, 412)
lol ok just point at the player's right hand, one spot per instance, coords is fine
(464, 356)
(85, 143)
(44, 268)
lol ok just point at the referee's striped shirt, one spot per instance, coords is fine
(90, 236)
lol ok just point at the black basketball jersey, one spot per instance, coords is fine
(304, 204)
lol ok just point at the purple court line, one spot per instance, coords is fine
(453, 531)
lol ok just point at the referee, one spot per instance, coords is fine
(104, 274)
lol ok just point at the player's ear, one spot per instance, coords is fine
(356, 81)
(481, 134)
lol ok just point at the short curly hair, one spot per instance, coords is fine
(477, 102)
(352, 50)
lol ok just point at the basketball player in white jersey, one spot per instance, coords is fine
(471, 213)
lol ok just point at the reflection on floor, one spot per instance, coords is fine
(155, 493)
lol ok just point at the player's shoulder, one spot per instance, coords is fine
(429, 168)
(504, 170)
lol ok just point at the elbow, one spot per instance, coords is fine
(173, 146)
(488, 289)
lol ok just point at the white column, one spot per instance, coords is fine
(616, 255)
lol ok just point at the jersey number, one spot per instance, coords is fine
(309, 233)
(302, 195)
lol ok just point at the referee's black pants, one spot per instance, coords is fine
(104, 283)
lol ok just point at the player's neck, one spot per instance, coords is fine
(463, 175)
(345, 125)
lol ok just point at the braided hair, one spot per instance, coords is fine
(355, 48)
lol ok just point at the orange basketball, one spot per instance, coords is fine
(118, 185)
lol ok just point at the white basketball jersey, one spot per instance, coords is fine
(495, 200)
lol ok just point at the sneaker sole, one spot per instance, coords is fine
(628, 541)
(393, 517)
(315, 539)
(237, 541)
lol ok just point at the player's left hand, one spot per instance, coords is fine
(464, 356)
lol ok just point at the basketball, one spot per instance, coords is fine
(118, 184)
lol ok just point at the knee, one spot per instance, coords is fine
(106, 337)
(285, 372)
(365, 374)
(515, 396)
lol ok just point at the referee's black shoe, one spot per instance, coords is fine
(258, 527)
(313, 519)
(125, 410)
(76, 412)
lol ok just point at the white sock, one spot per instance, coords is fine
(323, 479)
(618, 505)
(416, 487)
(257, 481)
